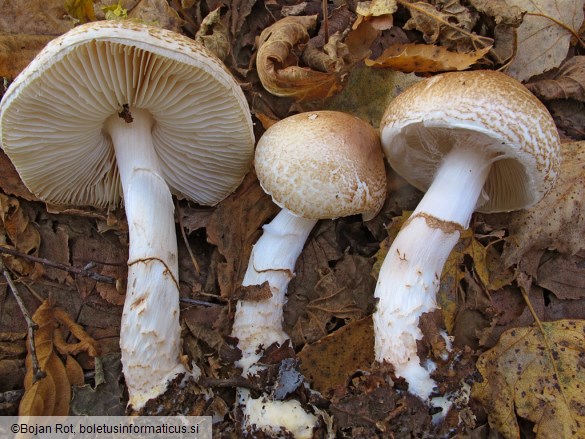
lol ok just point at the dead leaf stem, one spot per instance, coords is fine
(184, 235)
(31, 325)
(74, 270)
(561, 24)
(524, 282)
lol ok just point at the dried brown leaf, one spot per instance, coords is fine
(450, 27)
(18, 232)
(329, 362)
(568, 82)
(563, 275)
(538, 376)
(50, 395)
(544, 35)
(159, 12)
(500, 10)
(558, 221)
(213, 34)
(277, 62)
(425, 58)
(234, 227)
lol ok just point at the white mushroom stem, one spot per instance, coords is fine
(410, 275)
(258, 323)
(150, 331)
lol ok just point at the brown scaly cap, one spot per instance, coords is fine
(483, 109)
(323, 164)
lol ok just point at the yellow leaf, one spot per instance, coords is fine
(82, 10)
(536, 376)
(425, 58)
(277, 62)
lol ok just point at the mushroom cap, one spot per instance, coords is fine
(53, 114)
(476, 109)
(322, 165)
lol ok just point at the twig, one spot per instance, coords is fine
(184, 235)
(325, 20)
(236, 381)
(197, 302)
(78, 271)
(31, 325)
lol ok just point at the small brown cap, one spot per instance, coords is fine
(323, 165)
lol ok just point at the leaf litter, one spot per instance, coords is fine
(330, 298)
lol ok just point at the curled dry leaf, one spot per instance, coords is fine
(410, 58)
(500, 10)
(377, 12)
(279, 50)
(544, 35)
(539, 376)
(558, 221)
(50, 395)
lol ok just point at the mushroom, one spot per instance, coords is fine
(317, 165)
(474, 141)
(118, 108)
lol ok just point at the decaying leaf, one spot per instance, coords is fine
(568, 82)
(234, 227)
(558, 221)
(329, 362)
(157, 12)
(50, 395)
(277, 62)
(544, 35)
(500, 10)
(538, 376)
(451, 26)
(17, 232)
(563, 90)
(377, 12)
(425, 58)
(81, 10)
(213, 34)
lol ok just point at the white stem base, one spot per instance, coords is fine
(410, 275)
(150, 331)
(258, 324)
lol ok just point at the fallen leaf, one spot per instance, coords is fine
(544, 35)
(81, 10)
(500, 10)
(329, 362)
(277, 62)
(538, 376)
(158, 12)
(451, 26)
(425, 58)
(369, 91)
(213, 34)
(563, 275)
(234, 227)
(18, 232)
(558, 221)
(379, 13)
(568, 82)
(50, 395)
(26, 28)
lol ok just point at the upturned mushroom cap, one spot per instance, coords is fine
(478, 109)
(53, 115)
(322, 165)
